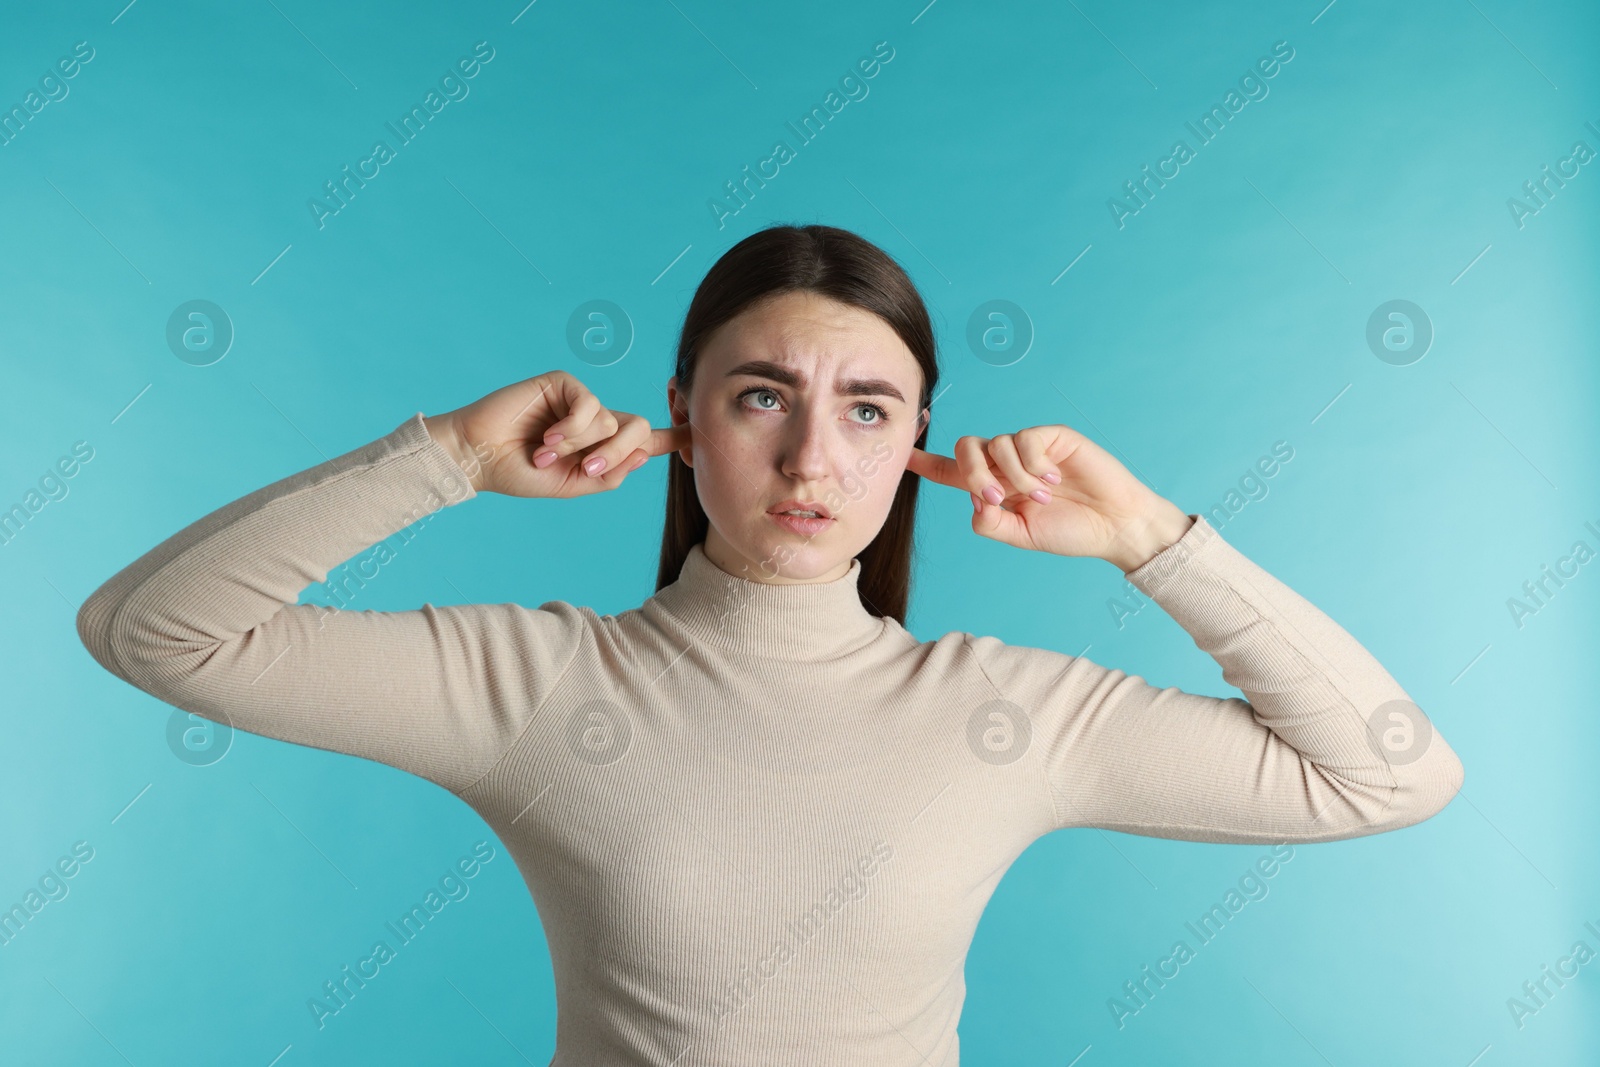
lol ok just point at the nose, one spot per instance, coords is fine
(807, 448)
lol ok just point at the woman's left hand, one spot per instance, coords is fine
(1095, 507)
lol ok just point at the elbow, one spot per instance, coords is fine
(94, 628)
(117, 632)
(1456, 776)
(1451, 775)
(1414, 792)
(1423, 788)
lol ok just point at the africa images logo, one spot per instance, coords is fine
(1253, 86)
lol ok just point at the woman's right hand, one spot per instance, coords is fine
(503, 442)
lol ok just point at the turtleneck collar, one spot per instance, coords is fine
(811, 620)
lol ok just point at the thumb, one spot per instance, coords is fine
(996, 523)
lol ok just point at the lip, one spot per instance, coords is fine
(795, 524)
(800, 505)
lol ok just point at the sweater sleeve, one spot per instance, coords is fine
(207, 621)
(1325, 746)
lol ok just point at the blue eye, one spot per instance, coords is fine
(882, 415)
(758, 389)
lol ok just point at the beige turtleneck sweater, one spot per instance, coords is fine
(759, 823)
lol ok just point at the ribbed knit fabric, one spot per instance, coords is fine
(759, 823)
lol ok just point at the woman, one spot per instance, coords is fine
(760, 820)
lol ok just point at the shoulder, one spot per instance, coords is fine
(963, 641)
(899, 636)
(960, 646)
(1027, 671)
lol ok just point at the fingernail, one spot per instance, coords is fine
(992, 494)
(636, 464)
(544, 459)
(553, 438)
(594, 464)
(977, 505)
(1041, 495)
(1052, 477)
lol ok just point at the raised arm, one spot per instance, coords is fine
(207, 621)
(1326, 744)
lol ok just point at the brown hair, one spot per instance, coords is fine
(850, 269)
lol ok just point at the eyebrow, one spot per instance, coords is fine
(762, 368)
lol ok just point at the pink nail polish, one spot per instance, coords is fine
(594, 465)
(993, 495)
(544, 459)
(554, 438)
(1041, 495)
(1052, 477)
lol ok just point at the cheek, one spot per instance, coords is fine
(736, 441)
(868, 485)
(722, 466)
(716, 474)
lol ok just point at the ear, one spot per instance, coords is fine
(678, 413)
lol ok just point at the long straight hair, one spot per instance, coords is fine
(845, 267)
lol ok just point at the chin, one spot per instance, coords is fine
(779, 554)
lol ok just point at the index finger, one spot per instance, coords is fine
(668, 439)
(935, 467)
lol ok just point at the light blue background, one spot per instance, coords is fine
(1228, 314)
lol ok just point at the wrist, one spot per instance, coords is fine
(1144, 538)
(442, 429)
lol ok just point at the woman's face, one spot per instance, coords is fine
(798, 398)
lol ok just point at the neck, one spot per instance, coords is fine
(789, 620)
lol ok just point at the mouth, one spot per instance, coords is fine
(802, 517)
(808, 509)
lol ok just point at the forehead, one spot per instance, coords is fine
(817, 336)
